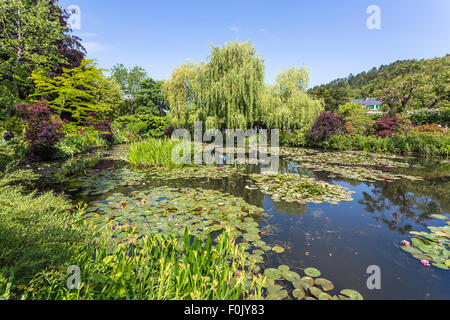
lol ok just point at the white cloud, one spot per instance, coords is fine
(262, 30)
(88, 34)
(93, 47)
(234, 28)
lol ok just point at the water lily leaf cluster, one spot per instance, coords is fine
(283, 283)
(293, 187)
(431, 246)
(170, 211)
(351, 164)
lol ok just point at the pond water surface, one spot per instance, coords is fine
(341, 240)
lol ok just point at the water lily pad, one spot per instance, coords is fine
(326, 285)
(300, 284)
(308, 280)
(349, 294)
(283, 268)
(272, 273)
(278, 249)
(290, 275)
(298, 294)
(316, 292)
(325, 296)
(312, 272)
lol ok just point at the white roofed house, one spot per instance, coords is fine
(372, 105)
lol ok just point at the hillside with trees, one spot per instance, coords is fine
(404, 85)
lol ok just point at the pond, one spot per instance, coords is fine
(342, 239)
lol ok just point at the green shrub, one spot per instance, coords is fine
(348, 108)
(358, 121)
(12, 151)
(76, 143)
(419, 143)
(142, 124)
(440, 116)
(155, 267)
(154, 152)
(298, 138)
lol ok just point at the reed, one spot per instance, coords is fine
(152, 152)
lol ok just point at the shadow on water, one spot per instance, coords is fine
(341, 240)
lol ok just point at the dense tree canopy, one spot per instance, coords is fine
(150, 99)
(230, 85)
(402, 85)
(228, 91)
(33, 36)
(180, 91)
(286, 105)
(130, 80)
(73, 95)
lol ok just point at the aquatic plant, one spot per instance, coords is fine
(292, 187)
(431, 246)
(280, 281)
(154, 267)
(155, 152)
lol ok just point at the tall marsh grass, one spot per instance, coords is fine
(152, 152)
(156, 267)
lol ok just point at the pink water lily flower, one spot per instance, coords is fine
(405, 243)
(425, 263)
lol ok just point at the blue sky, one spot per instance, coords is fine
(330, 38)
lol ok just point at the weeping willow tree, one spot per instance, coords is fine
(181, 91)
(230, 86)
(286, 105)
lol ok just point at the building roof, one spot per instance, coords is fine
(368, 101)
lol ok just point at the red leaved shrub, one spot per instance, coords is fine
(326, 125)
(43, 129)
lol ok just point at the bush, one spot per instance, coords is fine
(421, 117)
(386, 127)
(419, 143)
(142, 124)
(102, 126)
(326, 125)
(348, 108)
(43, 129)
(431, 129)
(13, 150)
(358, 122)
(397, 124)
(298, 138)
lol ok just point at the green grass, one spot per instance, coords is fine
(155, 152)
(35, 229)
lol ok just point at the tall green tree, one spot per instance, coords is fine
(230, 86)
(181, 93)
(286, 105)
(130, 80)
(33, 36)
(150, 98)
(73, 95)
